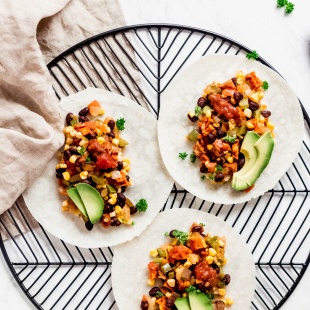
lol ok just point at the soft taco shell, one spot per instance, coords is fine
(148, 174)
(130, 272)
(181, 96)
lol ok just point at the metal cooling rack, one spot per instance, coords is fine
(139, 62)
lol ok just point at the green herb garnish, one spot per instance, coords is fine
(229, 139)
(142, 205)
(210, 295)
(265, 85)
(252, 55)
(289, 7)
(120, 123)
(202, 177)
(133, 223)
(73, 122)
(218, 168)
(180, 235)
(87, 160)
(191, 288)
(166, 234)
(193, 158)
(281, 3)
(198, 110)
(159, 294)
(183, 155)
(81, 150)
(202, 224)
(212, 176)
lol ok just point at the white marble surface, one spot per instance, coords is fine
(283, 40)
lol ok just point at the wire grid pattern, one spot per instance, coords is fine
(139, 62)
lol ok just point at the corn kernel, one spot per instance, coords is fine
(210, 147)
(100, 140)
(261, 95)
(126, 160)
(66, 175)
(66, 147)
(208, 113)
(212, 252)
(187, 264)
(63, 166)
(127, 168)
(65, 203)
(209, 259)
(101, 112)
(114, 195)
(224, 261)
(270, 125)
(198, 281)
(222, 291)
(255, 97)
(221, 243)
(73, 133)
(249, 125)
(240, 74)
(69, 140)
(169, 248)
(184, 294)
(79, 135)
(107, 174)
(168, 294)
(83, 175)
(151, 282)
(104, 192)
(112, 201)
(191, 113)
(73, 159)
(106, 128)
(125, 164)
(240, 81)
(229, 301)
(154, 253)
(115, 141)
(230, 159)
(98, 132)
(247, 113)
(171, 282)
(68, 129)
(118, 209)
(57, 166)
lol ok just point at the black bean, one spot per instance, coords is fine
(121, 197)
(123, 189)
(60, 170)
(201, 287)
(253, 105)
(108, 208)
(210, 138)
(203, 168)
(144, 305)
(238, 95)
(192, 118)
(216, 268)
(133, 210)
(59, 176)
(234, 79)
(153, 291)
(266, 113)
(111, 134)
(241, 162)
(127, 177)
(169, 303)
(111, 124)
(86, 182)
(171, 233)
(115, 221)
(84, 112)
(220, 133)
(73, 150)
(67, 154)
(89, 226)
(226, 279)
(219, 177)
(201, 102)
(197, 229)
(69, 118)
(120, 165)
(91, 136)
(83, 119)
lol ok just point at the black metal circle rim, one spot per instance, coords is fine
(149, 26)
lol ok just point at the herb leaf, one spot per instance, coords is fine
(252, 55)
(183, 155)
(142, 205)
(209, 295)
(198, 110)
(120, 123)
(181, 236)
(202, 177)
(265, 85)
(218, 168)
(212, 176)
(229, 139)
(81, 150)
(289, 7)
(281, 3)
(166, 234)
(87, 160)
(191, 288)
(159, 294)
(202, 224)
(193, 158)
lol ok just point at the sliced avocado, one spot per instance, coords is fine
(264, 147)
(76, 198)
(199, 301)
(92, 200)
(250, 154)
(182, 303)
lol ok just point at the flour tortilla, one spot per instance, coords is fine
(129, 268)
(148, 174)
(181, 96)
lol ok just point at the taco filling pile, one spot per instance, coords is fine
(187, 273)
(234, 138)
(92, 171)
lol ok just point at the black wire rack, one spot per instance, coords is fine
(139, 62)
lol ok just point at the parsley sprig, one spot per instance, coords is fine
(142, 205)
(229, 139)
(193, 158)
(198, 110)
(81, 150)
(120, 123)
(265, 85)
(159, 294)
(183, 155)
(202, 177)
(289, 6)
(252, 55)
(181, 236)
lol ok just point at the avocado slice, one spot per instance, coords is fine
(182, 303)
(199, 301)
(92, 200)
(249, 152)
(264, 147)
(76, 198)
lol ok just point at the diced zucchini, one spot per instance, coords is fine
(161, 252)
(193, 135)
(166, 268)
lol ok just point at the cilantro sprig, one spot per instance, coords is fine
(202, 177)
(193, 158)
(198, 110)
(142, 205)
(289, 6)
(183, 155)
(218, 168)
(81, 150)
(159, 294)
(180, 235)
(88, 160)
(191, 288)
(120, 123)
(252, 55)
(265, 85)
(229, 139)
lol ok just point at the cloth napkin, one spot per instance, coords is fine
(33, 33)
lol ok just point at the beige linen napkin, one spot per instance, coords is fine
(30, 124)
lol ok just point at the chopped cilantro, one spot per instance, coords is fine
(133, 223)
(265, 85)
(159, 294)
(202, 177)
(120, 123)
(166, 234)
(183, 155)
(210, 295)
(252, 55)
(191, 288)
(218, 168)
(87, 160)
(181, 236)
(229, 139)
(212, 176)
(73, 122)
(193, 158)
(289, 7)
(281, 3)
(142, 205)
(202, 224)
(198, 110)
(81, 150)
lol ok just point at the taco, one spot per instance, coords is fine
(208, 79)
(132, 264)
(147, 175)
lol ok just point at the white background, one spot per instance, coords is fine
(282, 40)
